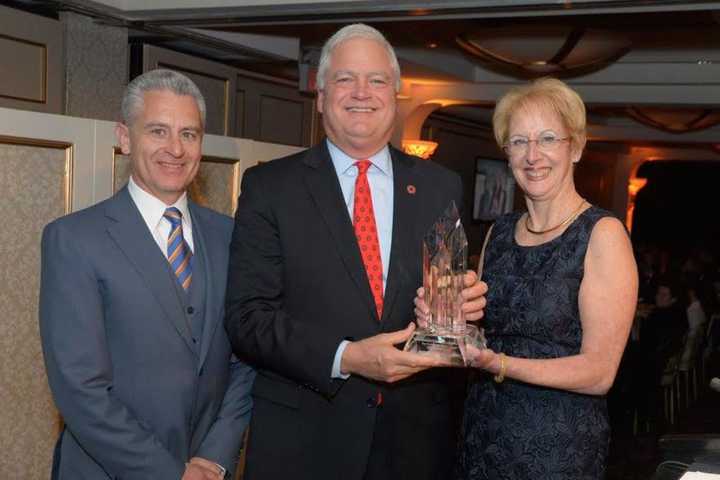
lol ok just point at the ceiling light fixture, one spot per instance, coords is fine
(675, 120)
(534, 51)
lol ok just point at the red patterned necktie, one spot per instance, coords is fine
(366, 233)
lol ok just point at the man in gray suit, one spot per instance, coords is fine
(131, 309)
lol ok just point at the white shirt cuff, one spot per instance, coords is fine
(337, 362)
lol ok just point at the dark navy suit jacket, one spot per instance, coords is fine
(297, 288)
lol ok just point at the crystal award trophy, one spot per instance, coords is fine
(446, 335)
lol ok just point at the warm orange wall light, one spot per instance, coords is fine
(420, 148)
(634, 186)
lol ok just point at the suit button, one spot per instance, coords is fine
(202, 370)
(194, 340)
(190, 310)
(370, 402)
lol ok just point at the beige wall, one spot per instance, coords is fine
(96, 62)
(215, 185)
(33, 191)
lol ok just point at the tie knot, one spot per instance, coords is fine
(173, 215)
(363, 166)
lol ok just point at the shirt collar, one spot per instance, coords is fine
(151, 208)
(343, 163)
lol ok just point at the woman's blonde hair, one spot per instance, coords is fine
(548, 93)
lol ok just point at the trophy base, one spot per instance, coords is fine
(446, 344)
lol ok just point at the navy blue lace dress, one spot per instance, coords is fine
(514, 430)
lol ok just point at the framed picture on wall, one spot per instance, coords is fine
(494, 189)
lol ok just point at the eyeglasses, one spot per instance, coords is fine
(518, 146)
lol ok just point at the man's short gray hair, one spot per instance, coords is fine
(159, 79)
(356, 30)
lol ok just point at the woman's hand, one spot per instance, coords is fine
(473, 300)
(483, 359)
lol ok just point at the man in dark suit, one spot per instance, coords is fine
(131, 308)
(324, 262)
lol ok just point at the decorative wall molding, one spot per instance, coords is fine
(32, 71)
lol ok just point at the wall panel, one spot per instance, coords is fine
(275, 112)
(215, 80)
(215, 186)
(242, 103)
(34, 190)
(32, 73)
(30, 66)
(240, 130)
(282, 120)
(96, 58)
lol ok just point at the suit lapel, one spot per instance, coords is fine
(213, 253)
(404, 217)
(131, 234)
(324, 188)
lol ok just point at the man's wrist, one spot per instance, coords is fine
(337, 367)
(221, 470)
(346, 362)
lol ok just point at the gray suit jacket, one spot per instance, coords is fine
(138, 398)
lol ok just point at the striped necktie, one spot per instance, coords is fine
(178, 251)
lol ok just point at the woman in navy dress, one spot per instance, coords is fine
(562, 292)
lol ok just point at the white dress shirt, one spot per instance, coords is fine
(380, 178)
(152, 210)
